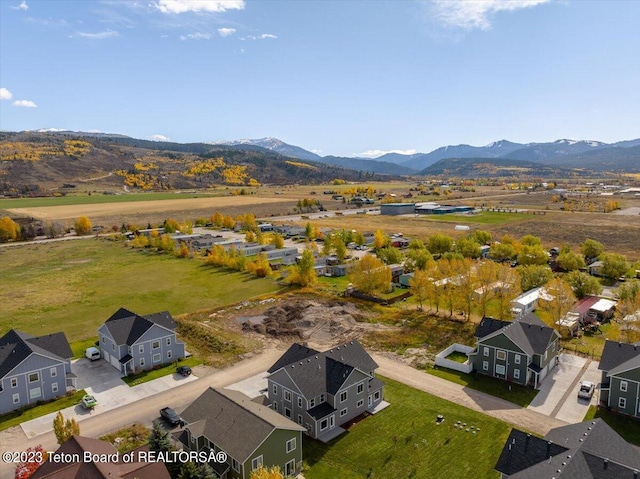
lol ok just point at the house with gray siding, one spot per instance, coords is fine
(324, 390)
(247, 431)
(620, 385)
(133, 343)
(522, 351)
(33, 369)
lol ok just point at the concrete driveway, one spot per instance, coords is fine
(104, 382)
(558, 396)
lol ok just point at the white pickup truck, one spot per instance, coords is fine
(586, 390)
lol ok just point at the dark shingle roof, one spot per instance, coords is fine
(233, 422)
(531, 335)
(616, 356)
(126, 327)
(353, 354)
(295, 353)
(321, 410)
(16, 346)
(489, 325)
(523, 450)
(586, 446)
(531, 318)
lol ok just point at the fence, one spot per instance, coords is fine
(442, 361)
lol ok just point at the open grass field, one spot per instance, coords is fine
(421, 449)
(74, 286)
(483, 218)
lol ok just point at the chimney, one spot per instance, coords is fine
(606, 464)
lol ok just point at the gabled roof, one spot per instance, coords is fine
(528, 333)
(233, 422)
(97, 470)
(295, 353)
(16, 346)
(588, 450)
(317, 373)
(618, 357)
(126, 327)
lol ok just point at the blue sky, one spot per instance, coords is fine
(345, 78)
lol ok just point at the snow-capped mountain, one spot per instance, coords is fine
(273, 144)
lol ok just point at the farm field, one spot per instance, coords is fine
(74, 286)
(421, 448)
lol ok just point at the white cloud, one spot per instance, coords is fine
(50, 130)
(158, 138)
(264, 36)
(196, 36)
(23, 6)
(378, 153)
(5, 94)
(99, 35)
(93, 130)
(211, 6)
(317, 152)
(25, 104)
(225, 32)
(470, 14)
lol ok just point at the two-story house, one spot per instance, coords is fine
(324, 390)
(522, 351)
(620, 386)
(249, 433)
(33, 369)
(132, 343)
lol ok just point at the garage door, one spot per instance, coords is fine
(115, 362)
(105, 355)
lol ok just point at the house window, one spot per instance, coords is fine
(343, 396)
(300, 419)
(256, 462)
(34, 377)
(516, 374)
(517, 360)
(235, 465)
(622, 403)
(155, 344)
(53, 372)
(141, 361)
(113, 347)
(287, 412)
(16, 398)
(360, 403)
(360, 388)
(376, 396)
(291, 444)
(169, 354)
(275, 389)
(290, 468)
(312, 403)
(157, 358)
(141, 348)
(286, 395)
(500, 370)
(54, 387)
(623, 386)
(169, 341)
(275, 406)
(486, 351)
(299, 402)
(322, 398)
(35, 393)
(501, 355)
(324, 424)
(14, 382)
(485, 365)
(343, 412)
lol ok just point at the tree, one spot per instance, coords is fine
(217, 219)
(308, 232)
(561, 303)
(380, 240)
(418, 259)
(53, 229)
(82, 225)
(327, 245)
(260, 266)
(583, 284)
(570, 261)
(466, 286)
(390, 255)
(341, 249)
(502, 252)
(304, 273)
(167, 243)
(486, 274)
(171, 226)
(534, 275)
(191, 470)
(532, 254)
(530, 240)
(506, 290)
(370, 275)
(437, 284)
(9, 229)
(481, 237)
(628, 310)
(468, 248)
(64, 429)
(419, 286)
(278, 241)
(267, 473)
(37, 456)
(228, 222)
(614, 265)
(439, 243)
(591, 248)
(358, 238)
(250, 237)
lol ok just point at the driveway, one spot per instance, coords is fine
(558, 396)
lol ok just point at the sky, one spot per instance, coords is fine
(350, 78)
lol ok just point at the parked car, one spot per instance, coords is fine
(92, 353)
(586, 390)
(183, 370)
(171, 416)
(88, 401)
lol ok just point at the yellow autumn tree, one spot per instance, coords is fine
(9, 229)
(82, 225)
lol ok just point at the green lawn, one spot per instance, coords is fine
(458, 357)
(626, 426)
(74, 286)
(518, 394)
(403, 441)
(79, 347)
(95, 199)
(485, 218)
(143, 377)
(16, 418)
